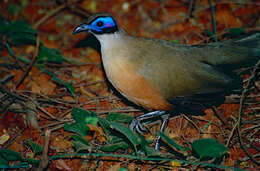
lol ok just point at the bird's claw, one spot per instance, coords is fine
(137, 125)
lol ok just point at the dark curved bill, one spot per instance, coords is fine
(81, 28)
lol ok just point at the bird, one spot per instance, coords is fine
(164, 77)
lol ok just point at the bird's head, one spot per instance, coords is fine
(97, 24)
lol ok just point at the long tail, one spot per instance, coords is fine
(250, 45)
(235, 53)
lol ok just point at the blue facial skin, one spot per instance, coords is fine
(108, 22)
(98, 26)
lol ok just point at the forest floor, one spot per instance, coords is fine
(59, 112)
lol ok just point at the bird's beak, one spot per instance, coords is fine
(81, 28)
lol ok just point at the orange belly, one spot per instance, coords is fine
(134, 86)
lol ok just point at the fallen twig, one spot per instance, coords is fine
(44, 158)
(70, 5)
(244, 93)
(238, 123)
(191, 8)
(47, 16)
(31, 64)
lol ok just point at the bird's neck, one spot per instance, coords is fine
(111, 40)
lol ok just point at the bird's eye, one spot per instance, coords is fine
(100, 24)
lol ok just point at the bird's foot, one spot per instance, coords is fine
(138, 123)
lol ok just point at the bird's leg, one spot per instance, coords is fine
(165, 120)
(137, 123)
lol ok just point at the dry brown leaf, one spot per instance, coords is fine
(115, 167)
(62, 165)
(16, 147)
(60, 144)
(99, 134)
(43, 85)
(226, 19)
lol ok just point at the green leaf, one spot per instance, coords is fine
(144, 146)
(127, 132)
(150, 151)
(15, 166)
(4, 26)
(116, 139)
(3, 163)
(219, 166)
(171, 142)
(32, 161)
(175, 41)
(20, 32)
(20, 165)
(105, 124)
(80, 139)
(80, 143)
(114, 147)
(79, 146)
(20, 27)
(77, 128)
(122, 169)
(22, 39)
(14, 9)
(10, 155)
(84, 116)
(118, 117)
(206, 126)
(68, 86)
(208, 148)
(49, 55)
(11, 53)
(36, 148)
(209, 32)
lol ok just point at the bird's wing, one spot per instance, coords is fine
(176, 70)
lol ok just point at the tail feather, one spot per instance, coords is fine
(234, 53)
(252, 43)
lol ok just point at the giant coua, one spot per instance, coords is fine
(162, 76)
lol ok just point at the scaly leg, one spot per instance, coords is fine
(165, 120)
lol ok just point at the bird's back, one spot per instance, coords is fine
(176, 70)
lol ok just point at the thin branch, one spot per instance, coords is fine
(70, 5)
(244, 93)
(47, 16)
(192, 123)
(13, 95)
(217, 114)
(237, 125)
(191, 8)
(44, 158)
(31, 64)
